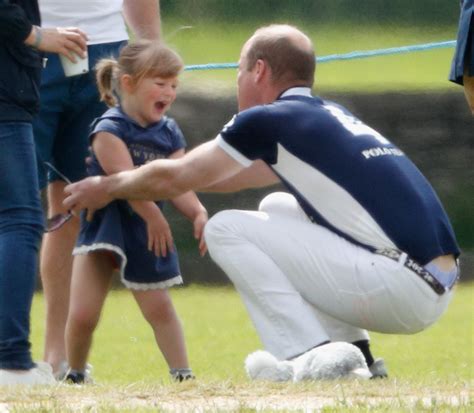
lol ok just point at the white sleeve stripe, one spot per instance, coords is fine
(234, 153)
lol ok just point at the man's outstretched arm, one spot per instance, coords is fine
(258, 175)
(160, 179)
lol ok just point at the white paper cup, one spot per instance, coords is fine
(72, 69)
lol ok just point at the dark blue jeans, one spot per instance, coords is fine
(68, 107)
(21, 229)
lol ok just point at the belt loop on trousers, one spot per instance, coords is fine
(403, 258)
(415, 267)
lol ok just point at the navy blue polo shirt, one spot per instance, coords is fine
(345, 175)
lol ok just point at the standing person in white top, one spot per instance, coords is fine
(68, 106)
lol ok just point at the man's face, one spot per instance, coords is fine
(247, 92)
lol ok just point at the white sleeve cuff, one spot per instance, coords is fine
(234, 153)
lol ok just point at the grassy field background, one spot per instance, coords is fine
(204, 43)
(429, 371)
(220, 335)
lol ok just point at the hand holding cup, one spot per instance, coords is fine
(68, 42)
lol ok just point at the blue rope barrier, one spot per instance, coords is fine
(345, 56)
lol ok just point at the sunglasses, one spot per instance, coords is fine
(58, 220)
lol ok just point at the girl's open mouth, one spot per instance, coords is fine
(160, 105)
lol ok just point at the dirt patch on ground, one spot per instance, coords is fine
(389, 396)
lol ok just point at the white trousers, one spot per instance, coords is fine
(303, 284)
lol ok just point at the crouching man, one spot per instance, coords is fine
(360, 241)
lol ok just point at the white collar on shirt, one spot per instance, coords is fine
(301, 91)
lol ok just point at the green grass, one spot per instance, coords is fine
(427, 370)
(213, 43)
(220, 335)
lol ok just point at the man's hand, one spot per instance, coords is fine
(68, 41)
(90, 194)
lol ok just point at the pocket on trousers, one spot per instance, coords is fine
(373, 310)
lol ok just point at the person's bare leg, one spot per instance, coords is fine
(91, 277)
(469, 91)
(55, 270)
(158, 310)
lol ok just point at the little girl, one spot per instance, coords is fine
(132, 236)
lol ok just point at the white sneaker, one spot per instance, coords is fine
(61, 372)
(331, 361)
(261, 365)
(378, 369)
(42, 374)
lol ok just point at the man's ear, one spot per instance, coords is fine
(261, 70)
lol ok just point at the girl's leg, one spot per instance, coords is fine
(55, 269)
(158, 310)
(91, 276)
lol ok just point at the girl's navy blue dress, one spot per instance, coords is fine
(117, 228)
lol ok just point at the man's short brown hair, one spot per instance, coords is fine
(290, 62)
